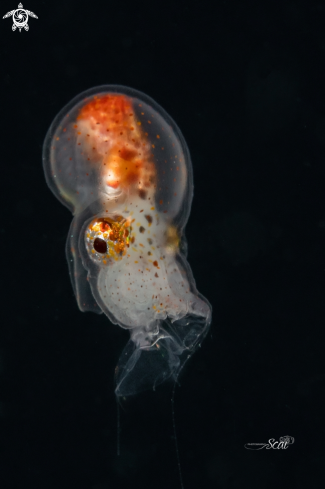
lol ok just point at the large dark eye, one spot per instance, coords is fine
(100, 245)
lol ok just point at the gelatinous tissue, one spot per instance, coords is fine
(119, 162)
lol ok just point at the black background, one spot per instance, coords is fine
(245, 82)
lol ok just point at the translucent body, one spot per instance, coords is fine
(121, 165)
